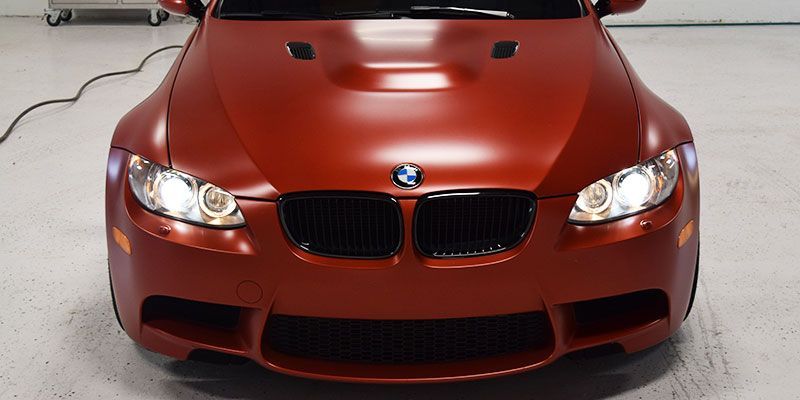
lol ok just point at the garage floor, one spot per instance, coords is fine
(738, 86)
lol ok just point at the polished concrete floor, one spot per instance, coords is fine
(738, 86)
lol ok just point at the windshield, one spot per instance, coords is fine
(391, 9)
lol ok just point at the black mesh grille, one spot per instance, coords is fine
(464, 225)
(406, 341)
(343, 225)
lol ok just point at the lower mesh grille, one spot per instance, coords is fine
(406, 341)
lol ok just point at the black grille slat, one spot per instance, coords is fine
(472, 224)
(343, 225)
(407, 341)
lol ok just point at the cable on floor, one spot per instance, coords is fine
(82, 89)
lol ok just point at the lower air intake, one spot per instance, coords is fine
(407, 341)
(188, 311)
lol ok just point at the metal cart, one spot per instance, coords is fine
(61, 10)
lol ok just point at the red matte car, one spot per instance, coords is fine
(401, 191)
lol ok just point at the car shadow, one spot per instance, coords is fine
(582, 375)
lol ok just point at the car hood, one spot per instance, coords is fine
(247, 116)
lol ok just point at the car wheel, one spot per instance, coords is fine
(53, 21)
(114, 300)
(66, 15)
(694, 285)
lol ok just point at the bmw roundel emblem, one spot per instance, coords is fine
(407, 176)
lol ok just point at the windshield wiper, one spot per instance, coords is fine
(366, 13)
(275, 14)
(462, 10)
(301, 15)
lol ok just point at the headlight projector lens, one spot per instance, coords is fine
(628, 192)
(175, 195)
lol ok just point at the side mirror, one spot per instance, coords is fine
(194, 8)
(607, 7)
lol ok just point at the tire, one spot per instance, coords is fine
(114, 300)
(164, 15)
(66, 15)
(694, 285)
(53, 21)
(154, 19)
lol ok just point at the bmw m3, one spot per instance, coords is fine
(401, 191)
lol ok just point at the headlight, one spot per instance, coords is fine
(180, 196)
(628, 192)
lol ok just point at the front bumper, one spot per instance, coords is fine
(256, 268)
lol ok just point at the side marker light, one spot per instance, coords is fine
(122, 241)
(686, 234)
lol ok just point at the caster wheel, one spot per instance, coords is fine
(66, 15)
(164, 15)
(154, 19)
(53, 21)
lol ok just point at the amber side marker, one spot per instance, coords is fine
(122, 241)
(686, 234)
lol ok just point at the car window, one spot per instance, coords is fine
(387, 9)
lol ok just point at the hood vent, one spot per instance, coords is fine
(506, 49)
(301, 50)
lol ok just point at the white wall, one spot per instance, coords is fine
(656, 11)
(22, 7)
(678, 11)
